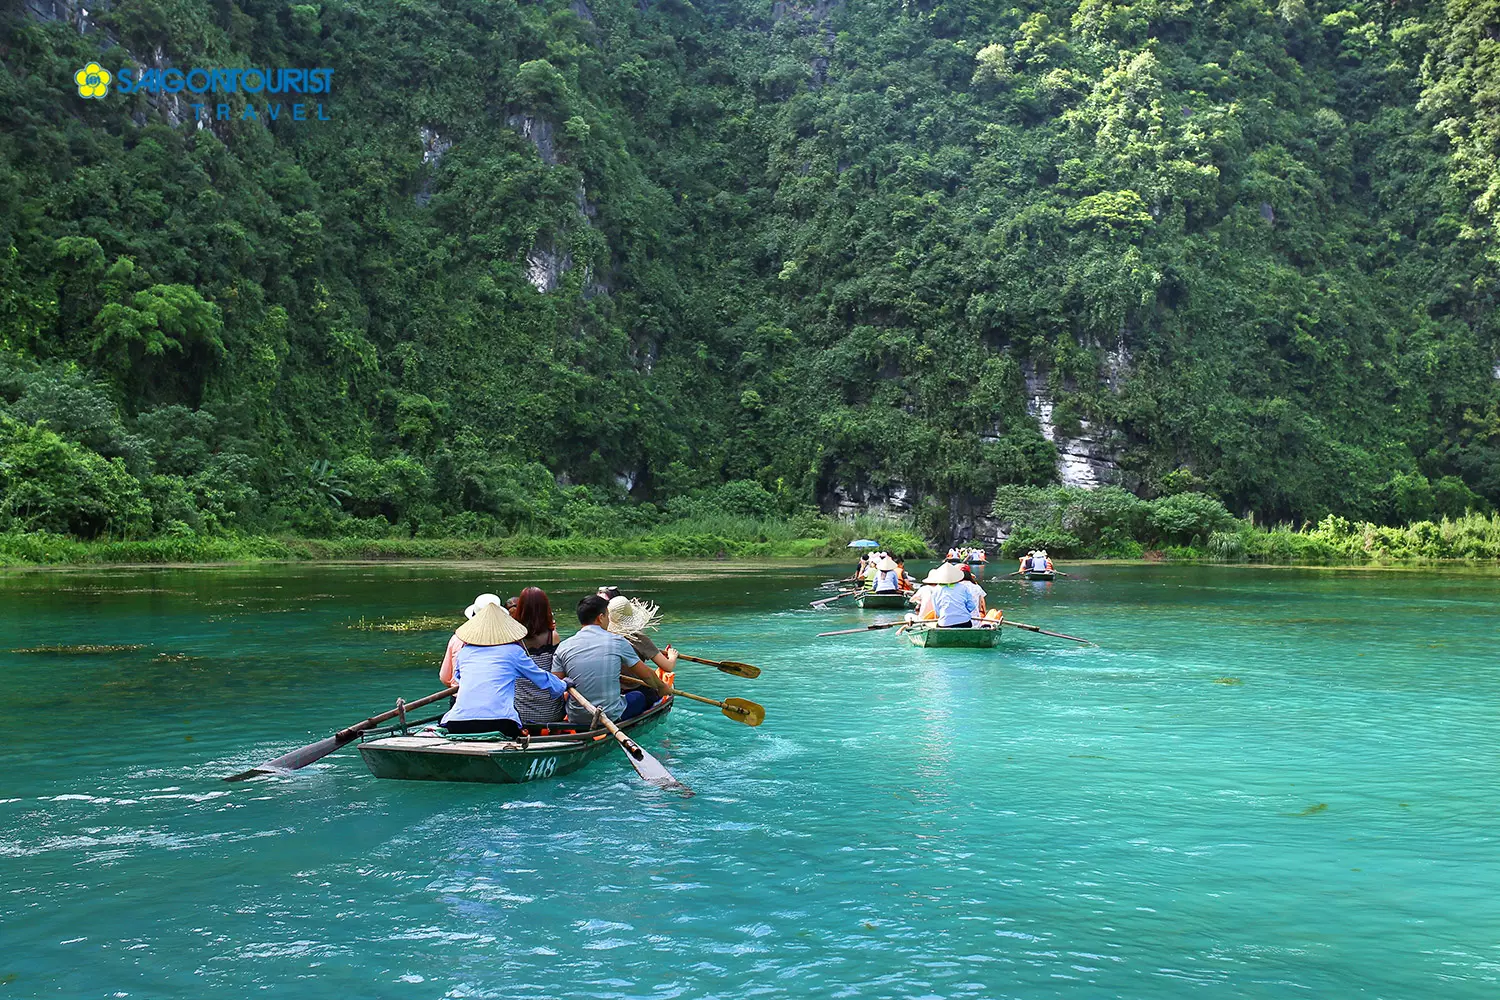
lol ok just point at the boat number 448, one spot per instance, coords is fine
(541, 767)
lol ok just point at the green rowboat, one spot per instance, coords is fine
(875, 602)
(1044, 575)
(497, 760)
(932, 637)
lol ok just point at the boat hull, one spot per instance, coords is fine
(876, 602)
(952, 638)
(1040, 576)
(498, 761)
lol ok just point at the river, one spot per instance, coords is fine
(1262, 783)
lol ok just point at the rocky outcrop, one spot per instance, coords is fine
(892, 501)
(433, 148)
(537, 131)
(545, 268)
(544, 265)
(815, 16)
(968, 518)
(1084, 459)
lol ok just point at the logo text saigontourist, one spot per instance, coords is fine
(284, 83)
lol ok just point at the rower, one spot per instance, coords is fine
(926, 595)
(629, 619)
(594, 658)
(486, 669)
(955, 605)
(972, 584)
(635, 618)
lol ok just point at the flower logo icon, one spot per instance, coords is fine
(93, 80)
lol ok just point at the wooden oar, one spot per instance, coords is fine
(738, 709)
(317, 751)
(829, 600)
(648, 767)
(867, 628)
(727, 666)
(1060, 635)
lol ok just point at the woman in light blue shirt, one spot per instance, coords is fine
(486, 669)
(955, 605)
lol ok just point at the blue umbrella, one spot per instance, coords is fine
(863, 543)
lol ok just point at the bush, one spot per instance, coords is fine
(1092, 513)
(1057, 543)
(1180, 518)
(48, 484)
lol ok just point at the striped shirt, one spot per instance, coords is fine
(533, 704)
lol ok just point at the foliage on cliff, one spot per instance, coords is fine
(554, 267)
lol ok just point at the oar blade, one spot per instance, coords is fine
(652, 770)
(300, 757)
(739, 669)
(743, 710)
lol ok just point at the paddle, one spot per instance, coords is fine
(738, 709)
(648, 767)
(867, 628)
(829, 600)
(727, 666)
(317, 751)
(1060, 635)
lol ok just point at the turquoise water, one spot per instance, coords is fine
(1040, 820)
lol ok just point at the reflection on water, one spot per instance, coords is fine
(1262, 781)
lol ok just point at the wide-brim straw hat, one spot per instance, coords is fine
(944, 573)
(886, 565)
(492, 626)
(480, 602)
(631, 617)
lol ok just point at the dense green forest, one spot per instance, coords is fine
(561, 269)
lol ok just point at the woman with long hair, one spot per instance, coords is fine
(534, 613)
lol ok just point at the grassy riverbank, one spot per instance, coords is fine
(700, 538)
(1333, 541)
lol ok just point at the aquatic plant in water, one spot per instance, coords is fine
(420, 623)
(80, 650)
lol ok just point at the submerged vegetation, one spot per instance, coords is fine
(599, 278)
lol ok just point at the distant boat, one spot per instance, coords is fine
(932, 637)
(882, 601)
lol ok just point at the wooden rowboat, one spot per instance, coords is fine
(1042, 575)
(881, 601)
(932, 637)
(498, 760)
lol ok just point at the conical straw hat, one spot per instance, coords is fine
(491, 626)
(631, 617)
(945, 573)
